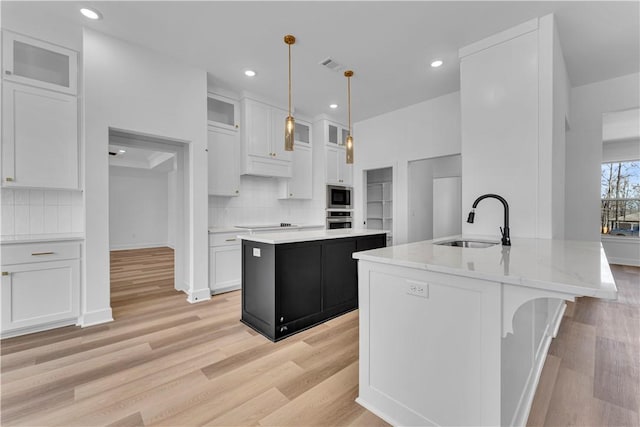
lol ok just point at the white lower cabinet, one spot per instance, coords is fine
(40, 286)
(225, 262)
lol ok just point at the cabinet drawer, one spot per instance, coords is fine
(37, 252)
(224, 239)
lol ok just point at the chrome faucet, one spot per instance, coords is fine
(506, 240)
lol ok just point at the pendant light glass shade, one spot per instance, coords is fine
(289, 130)
(349, 150)
(348, 74)
(290, 123)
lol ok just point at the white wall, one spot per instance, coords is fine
(514, 91)
(138, 208)
(421, 174)
(424, 130)
(171, 202)
(499, 105)
(258, 204)
(584, 150)
(131, 88)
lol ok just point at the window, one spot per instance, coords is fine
(620, 194)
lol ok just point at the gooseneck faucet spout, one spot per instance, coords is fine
(506, 239)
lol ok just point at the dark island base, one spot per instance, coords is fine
(287, 288)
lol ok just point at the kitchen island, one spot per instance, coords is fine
(459, 335)
(294, 280)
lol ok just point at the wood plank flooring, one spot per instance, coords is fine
(164, 361)
(592, 374)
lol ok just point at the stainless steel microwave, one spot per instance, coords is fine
(339, 197)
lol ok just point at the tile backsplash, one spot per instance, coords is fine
(26, 211)
(258, 203)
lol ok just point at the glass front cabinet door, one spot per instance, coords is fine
(37, 63)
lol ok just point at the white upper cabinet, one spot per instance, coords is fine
(338, 172)
(332, 149)
(278, 118)
(37, 63)
(39, 138)
(223, 112)
(300, 185)
(263, 151)
(335, 134)
(223, 151)
(302, 133)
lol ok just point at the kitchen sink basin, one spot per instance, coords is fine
(467, 243)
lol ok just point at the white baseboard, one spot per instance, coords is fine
(38, 328)
(95, 317)
(198, 295)
(624, 261)
(128, 246)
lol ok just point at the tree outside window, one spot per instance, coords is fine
(620, 193)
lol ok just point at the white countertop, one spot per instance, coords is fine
(309, 235)
(35, 238)
(266, 227)
(576, 267)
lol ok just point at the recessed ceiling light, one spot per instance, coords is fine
(91, 13)
(122, 151)
(249, 73)
(437, 63)
(333, 106)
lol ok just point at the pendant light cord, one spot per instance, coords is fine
(289, 80)
(349, 98)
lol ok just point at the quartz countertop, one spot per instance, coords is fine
(266, 227)
(35, 238)
(308, 235)
(577, 267)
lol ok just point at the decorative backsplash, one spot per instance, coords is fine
(258, 203)
(41, 211)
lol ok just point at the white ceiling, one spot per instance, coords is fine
(141, 158)
(389, 44)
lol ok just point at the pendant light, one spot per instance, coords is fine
(289, 124)
(348, 74)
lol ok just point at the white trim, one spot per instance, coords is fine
(38, 328)
(198, 295)
(624, 239)
(501, 37)
(139, 246)
(624, 261)
(386, 417)
(95, 317)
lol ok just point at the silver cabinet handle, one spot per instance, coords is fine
(5, 273)
(229, 240)
(9, 179)
(42, 253)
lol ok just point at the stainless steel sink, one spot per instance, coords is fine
(467, 243)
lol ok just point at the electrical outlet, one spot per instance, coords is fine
(418, 289)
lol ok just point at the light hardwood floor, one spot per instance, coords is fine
(592, 374)
(164, 361)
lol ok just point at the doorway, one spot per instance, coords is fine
(146, 217)
(378, 200)
(434, 198)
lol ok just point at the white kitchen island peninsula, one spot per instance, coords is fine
(459, 335)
